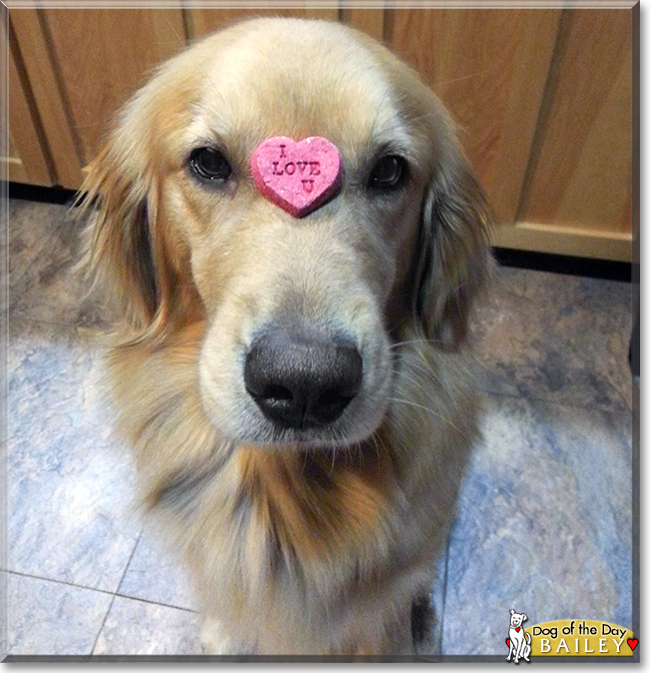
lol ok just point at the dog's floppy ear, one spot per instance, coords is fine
(119, 237)
(126, 252)
(454, 257)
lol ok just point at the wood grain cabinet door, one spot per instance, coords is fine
(543, 98)
(28, 159)
(489, 68)
(577, 197)
(84, 64)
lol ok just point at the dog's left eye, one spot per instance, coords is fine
(388, 173)
(210, 164)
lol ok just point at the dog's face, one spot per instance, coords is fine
(517, 619)
(299, 313)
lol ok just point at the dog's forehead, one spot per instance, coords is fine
(297, 79)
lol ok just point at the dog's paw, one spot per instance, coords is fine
(215, 640)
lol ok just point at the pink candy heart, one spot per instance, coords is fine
(297, 176)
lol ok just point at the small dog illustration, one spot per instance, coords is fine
(518, 640)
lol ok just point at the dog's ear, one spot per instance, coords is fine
(454, 257)
(512, 612)
(126, 251)
(119, 252)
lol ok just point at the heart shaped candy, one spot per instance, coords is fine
(297, 176)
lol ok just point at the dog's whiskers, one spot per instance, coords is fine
(433, 412)
(409, 342)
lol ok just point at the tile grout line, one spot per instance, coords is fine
(126, 567)
(55, 581)
(101, 591)
(151, 602)
(19, 314)
(22, 315)
(101, 626)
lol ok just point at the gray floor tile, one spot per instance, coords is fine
(156, 573)
(32, 226)
(56, 289)
(545, 525)
(49, 618)
(556, 337)
(70, 482)
(134, 627)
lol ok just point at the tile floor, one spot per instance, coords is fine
(546, 507)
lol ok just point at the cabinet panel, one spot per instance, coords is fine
(489, 68)
(42, 75)
(28, 159)
(581, 173)
(370, 21)
(544, 101)
(102, 56)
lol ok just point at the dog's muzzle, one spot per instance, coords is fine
(302, 381)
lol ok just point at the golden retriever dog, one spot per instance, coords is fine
(297, 389)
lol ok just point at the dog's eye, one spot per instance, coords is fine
(210, 164)
(388, 173)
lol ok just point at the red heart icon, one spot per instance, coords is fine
(508, 642)
(632, 642)
(518, 629)
(297, 176)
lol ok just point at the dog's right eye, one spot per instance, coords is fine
(388, 174)
(208, 163)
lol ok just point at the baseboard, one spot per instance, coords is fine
(575, 266)
(18, 190)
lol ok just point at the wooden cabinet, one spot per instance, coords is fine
(578, 187)
(82, 65)
(489, 67)
(543, 98)
(28, 158)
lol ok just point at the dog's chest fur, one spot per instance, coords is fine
(313, 505)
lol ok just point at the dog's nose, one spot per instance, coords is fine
(299, 381)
